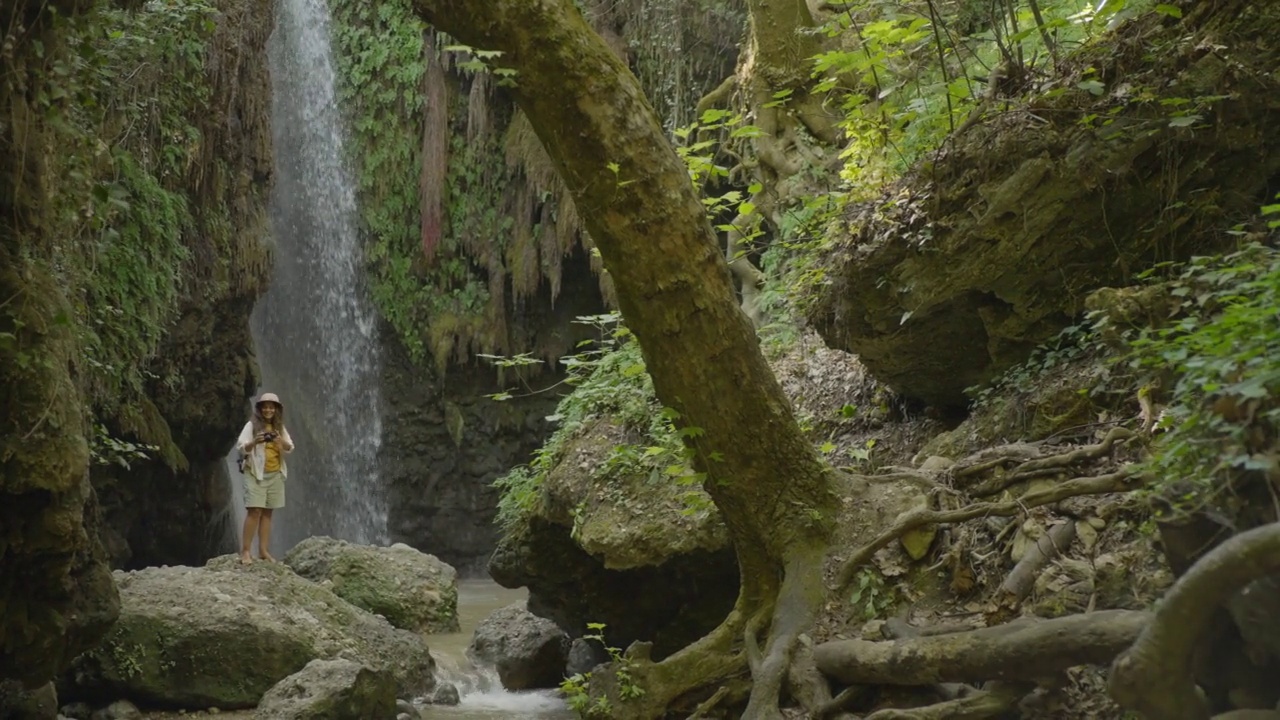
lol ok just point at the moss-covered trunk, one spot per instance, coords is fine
(675, 291)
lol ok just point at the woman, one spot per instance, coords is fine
(264, 441)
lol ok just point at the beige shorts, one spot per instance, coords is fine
(265, 493)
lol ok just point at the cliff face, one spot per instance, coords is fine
(133, 166)
(167, 511)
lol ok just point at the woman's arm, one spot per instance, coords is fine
(286, 442)
(246, 440)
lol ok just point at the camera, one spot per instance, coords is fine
(269, 436)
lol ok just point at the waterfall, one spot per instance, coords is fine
(314, 329)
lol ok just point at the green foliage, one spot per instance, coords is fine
(577, 688)
(107, 450)
(378, 51)
(871, 596)
(121, 103)
(1222, 413)
(916, 73)
(610, 382)
(382, 62)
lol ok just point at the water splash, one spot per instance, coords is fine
(315, 330)
(484, 698)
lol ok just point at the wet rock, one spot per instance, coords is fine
(77, 711)
(330, 690)
(445, 694)
(20, 703)
(597, 546)
(528, 651)
(584, 656)
(404, 707)
(118, 710)
(441, 494)
(412, 590)
(184, 634)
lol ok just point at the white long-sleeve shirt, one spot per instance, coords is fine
(258, 453)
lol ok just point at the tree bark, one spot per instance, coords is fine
(1155, 676)
(675, 292)
(1020, 650)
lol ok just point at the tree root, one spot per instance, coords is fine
(1119, 481)
(711, 662)
(991, 458)
(809, 688)
(719, 96)
(1017, 586)
(1020, 650)
(996, 700)
(1040, 467)
(1154, 676)
(799, 599)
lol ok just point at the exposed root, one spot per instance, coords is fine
(709, 704)
(1119, 481)
(1154, 677)
(991, 458)
(719, 96)
(807, 686)
(711, 662)
(1040, 467)
(1019, 582)
(798, 602)
(1020, 650)
(996, 700)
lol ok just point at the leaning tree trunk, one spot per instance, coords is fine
(675, 292)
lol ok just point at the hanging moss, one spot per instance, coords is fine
(465, 217)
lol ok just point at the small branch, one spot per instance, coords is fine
(710, 703)
(1120, 481)
(1018, 584)
(1020, 650)
(1154, 677)
(994, 701)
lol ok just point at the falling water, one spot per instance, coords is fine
(315, 329)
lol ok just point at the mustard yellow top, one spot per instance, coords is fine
(273, 457)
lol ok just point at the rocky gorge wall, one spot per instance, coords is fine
(135, 161)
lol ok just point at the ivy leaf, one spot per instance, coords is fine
(1184, 121)
(1093, 87)
(1172, 11)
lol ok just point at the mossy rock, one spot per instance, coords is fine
(223, 634)
(412, 590)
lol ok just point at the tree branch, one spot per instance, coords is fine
(1154, 677)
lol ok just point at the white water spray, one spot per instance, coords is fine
(315, 330)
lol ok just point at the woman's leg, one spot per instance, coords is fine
(264, 536)
(251, 526)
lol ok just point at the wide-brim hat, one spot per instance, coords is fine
(269, 397)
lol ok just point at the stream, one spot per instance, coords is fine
(483, 697)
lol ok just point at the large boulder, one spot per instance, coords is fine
(223, 634)
(412, 590)
(595, 548)
(954, 275)
(527, 651)
(331, 690)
